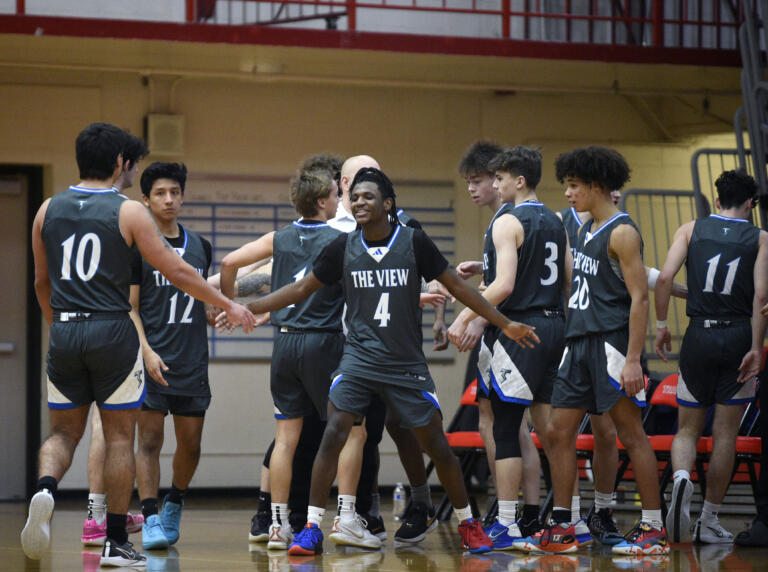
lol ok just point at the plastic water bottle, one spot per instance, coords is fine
(398, 501)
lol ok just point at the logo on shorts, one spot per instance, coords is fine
(139, 377)
(504, 374)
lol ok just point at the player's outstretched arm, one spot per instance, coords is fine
(625, 246)
(521, 333)
(678, 251)
(750, 364)
(287, 295)
(248, 254)
(137, 226)
(42, 278)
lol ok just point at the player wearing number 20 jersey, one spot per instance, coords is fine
(174, 322)
(597, 325)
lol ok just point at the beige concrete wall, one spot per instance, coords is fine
(265, 128)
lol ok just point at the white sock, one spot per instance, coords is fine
(463, 513)
(507, 512)
(97, 507)
(709, 511)
(279, 513)
(575, 508)
(346, 507)
(652, 517)
(315, 515)
(603, 500)
(681, 474)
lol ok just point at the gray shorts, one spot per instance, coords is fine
(95, 360)
(590, 373)
(302, 366)
(406, 406)
(524, 375)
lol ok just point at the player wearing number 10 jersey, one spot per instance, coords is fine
(726, 260)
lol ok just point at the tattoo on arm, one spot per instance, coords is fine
(162, 237)
(253, 284)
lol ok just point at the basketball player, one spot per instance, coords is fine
(381, 266)
(474, 167)
(726, 259)
(600, 370)
(526, 267)
(81, 241)
(174, 339)
(95, 525)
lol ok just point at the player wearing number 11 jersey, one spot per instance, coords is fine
(726, 259)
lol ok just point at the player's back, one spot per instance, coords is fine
(295, 248)
(720, 263)
(540, 259)
(88, 259)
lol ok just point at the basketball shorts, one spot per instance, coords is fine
(183, 405)
(524, 375)
(407, 407)
(590, 373)
(484, 358)
(303, 363)
(95, 359)
(709, 362)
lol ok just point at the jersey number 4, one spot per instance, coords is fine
(382, 310)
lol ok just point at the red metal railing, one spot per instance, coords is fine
(670, 23)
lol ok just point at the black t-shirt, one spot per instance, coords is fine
(329, 265)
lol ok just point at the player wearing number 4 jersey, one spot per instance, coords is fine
(174, 338)
(600, 371)
(726, 260)
(381, 266)
(81, 241)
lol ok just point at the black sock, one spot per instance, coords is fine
(265, 502)
(563, 515)
(530, 513)
(116, 528)
(148, 507)
(176, 495)
(49, 483)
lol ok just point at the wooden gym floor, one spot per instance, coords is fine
(214, 537)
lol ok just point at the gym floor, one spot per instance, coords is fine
(214, 537)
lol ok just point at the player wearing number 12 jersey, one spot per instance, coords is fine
(172, 329)
(600, 371)
(726, 260)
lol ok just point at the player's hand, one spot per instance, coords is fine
(632, 380)
(239, 315)
(437, 287)
(429, 298)
(469, 268)
(260, 319)
(524, 335)
(222, 324)
(750, 366)
(440, 332)
(663, 341)
(764, 310)
(155, 366)
(211, 313)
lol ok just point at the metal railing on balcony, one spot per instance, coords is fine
(680, 23)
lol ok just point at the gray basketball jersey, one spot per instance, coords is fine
(540, 259)
(295, 248)
(599, 300)
(381, 288)
(88, 259)
(175, 322)
(720, 266)
(572, 223)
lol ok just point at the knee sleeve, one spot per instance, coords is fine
(268, 455)
(507, 418)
